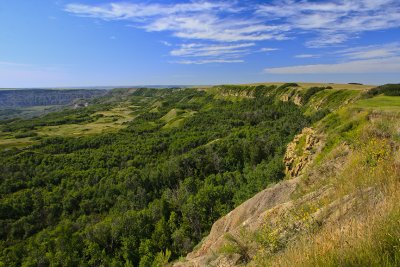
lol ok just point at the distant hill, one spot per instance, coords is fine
(44, 97)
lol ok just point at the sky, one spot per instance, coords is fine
(72, 43)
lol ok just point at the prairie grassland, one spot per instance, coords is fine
(381, 102)
(13, 142)
(110, 120)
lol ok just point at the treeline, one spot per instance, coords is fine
(146, 194)
(387, 89)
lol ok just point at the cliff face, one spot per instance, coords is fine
(342, 184)
(301, 151)
(42, 97)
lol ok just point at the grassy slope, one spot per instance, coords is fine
(357, 221)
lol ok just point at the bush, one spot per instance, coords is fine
(287, 85)
(25, 134)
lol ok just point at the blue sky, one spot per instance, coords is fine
(49, 43)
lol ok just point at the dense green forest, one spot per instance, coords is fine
(144, 194)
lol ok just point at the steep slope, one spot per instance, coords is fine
(338, 204)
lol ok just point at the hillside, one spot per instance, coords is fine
(259, 175)
(29, 103)
(44, 97)
(338, 202)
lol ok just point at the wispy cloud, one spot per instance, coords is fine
(124, 11)
(219, 26)
(380, 65)
(203, 50)
(371, 51)
(166, 43)
(306, 56)
(225, 29)
(208, 61)
(268, 49)
(195, 20)
(383, 58)
(335, 21)
(211, 53)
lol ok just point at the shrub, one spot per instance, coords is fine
(25, 134)
(286, 85)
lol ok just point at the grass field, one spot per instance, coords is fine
(381, 102)
(111, 120)
(175, 117)
(9, 141)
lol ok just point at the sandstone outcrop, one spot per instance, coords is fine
(300, 152)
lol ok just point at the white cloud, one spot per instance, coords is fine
(123, 11)
(204, 21)
(212, 50)
(268, 49)
(382, 65)
(372, 51)
(335, 21)
(306, 56)
(208, 61)
(166, 43)
(206, 26)
(194, 20)
(231, 23)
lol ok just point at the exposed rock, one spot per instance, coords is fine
(292, 96)
(297, 100)
(226, 260)
(300, 152)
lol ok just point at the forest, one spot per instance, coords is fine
(144, 194)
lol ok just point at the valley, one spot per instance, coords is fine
(230, 175)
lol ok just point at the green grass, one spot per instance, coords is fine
(6, 143)
(331, 99)
(175, 117)
(111, 120)
(171, 115)
(381, 102)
